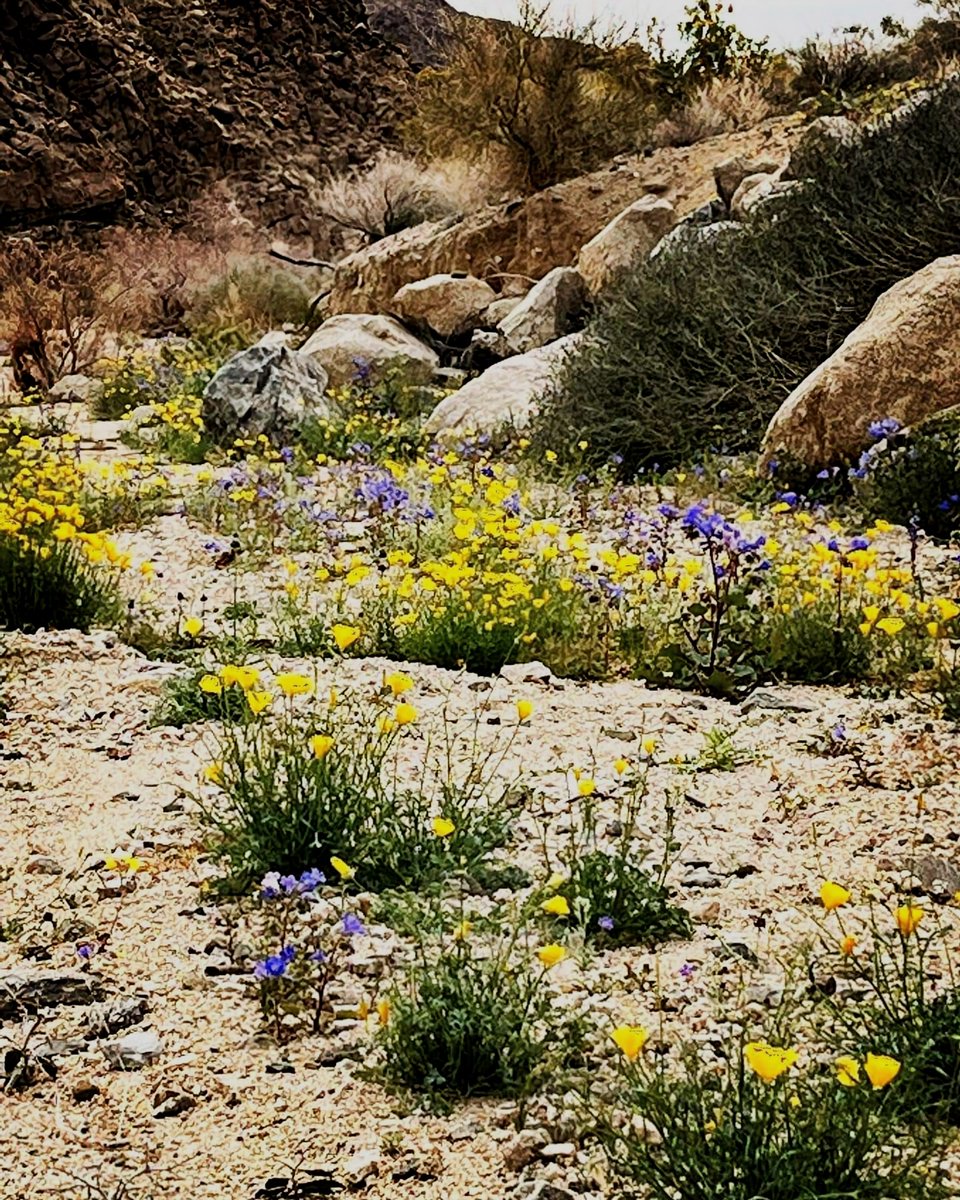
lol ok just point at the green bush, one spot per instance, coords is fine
(699, 348)
(848, 66)
(53, 585)
(283, 804)
(184, 702)
(913, 478)
(721, 1130)
(469, 1024)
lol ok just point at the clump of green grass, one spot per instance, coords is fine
(53, 585)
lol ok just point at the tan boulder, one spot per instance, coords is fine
(450, 305)
(902, 362)
(731, 173)
(504, 395)
(358, 342)
(626, 241)
(550, 310)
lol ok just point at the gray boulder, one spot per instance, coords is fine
(550, 310)
(355, 343)
(264, 390)
(687, 235)
(757, 190)
(504, 395)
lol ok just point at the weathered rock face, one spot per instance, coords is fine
(504, 395)
(902, 362)
(264, 390)
(105, 102)
(450, 305)
(550, 310)
(357, 343)
(626, 241)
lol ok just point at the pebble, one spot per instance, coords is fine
(558, 1150)
(134, 1051)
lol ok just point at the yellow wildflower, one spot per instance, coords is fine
(630, 1040)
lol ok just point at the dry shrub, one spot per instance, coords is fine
(248, 299)
(555, 102)
(395, 192)
(720, 106)
(58, 304)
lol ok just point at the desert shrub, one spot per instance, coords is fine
(57, 303)
(605, 885)
(552, 102)
(394, 192)
(466, 1022)
(848, 66)
(913, 478)
(756, 1122)
(711, 47)
(698, 348)
(46, 584)
(241, 305)
(199, 696)
(719, 106)
(322, 781)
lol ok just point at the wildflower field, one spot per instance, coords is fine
(456, 820)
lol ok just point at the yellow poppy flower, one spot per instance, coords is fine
(259, 701)
(630, 1040)
(848, 1071)
(404, 714)
(398, 683)
(341, 868)
(383, 1011)
(586, 787)
(769, 1062)
(881, 1069)
(908, 918)
(848, 945)
(552, 954)
(557, 906)
(832, 895)
(344, 636)
(442, 826)
(524, 710)
(192, 627)
(621, 766)
(211, 685)
(321, 744)
(462, 930)
(293, 684)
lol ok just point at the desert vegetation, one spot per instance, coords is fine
(557, 807)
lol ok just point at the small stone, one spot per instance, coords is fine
(29, 991)
(522, 1149)
(171, 1102)
(43, 864)
(84, 1090)
(361, 1166)
(280, 1068)
(530, 672)
(542, 1189)
(558, 1150)
(701, 878)
(134, 1051)
(113, 1015)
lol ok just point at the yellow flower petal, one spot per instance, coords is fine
(442, 827)
(630, 1040)
(832, 895)
(552, 954)
(881, 1069)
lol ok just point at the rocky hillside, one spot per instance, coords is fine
(109, 106)
(422, 28)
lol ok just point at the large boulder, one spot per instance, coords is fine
(626, 241)
(450, 305)
(504, 395)
(264, 390)
(902, 362)
(758, 190)
(550, 310)
(731, 173)
(358, 345)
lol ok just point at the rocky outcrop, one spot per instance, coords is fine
(505, 395)
(902, 362)
(268, 390)
(550, 310)
(360, 346)
(625, 242)
(106, 104)
(522, 240)
(731, 173)
(449, 305)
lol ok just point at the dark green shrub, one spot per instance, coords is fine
(53, 585)
(698, 348)
(913, 478)
(462, 1024)
(848, 66)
